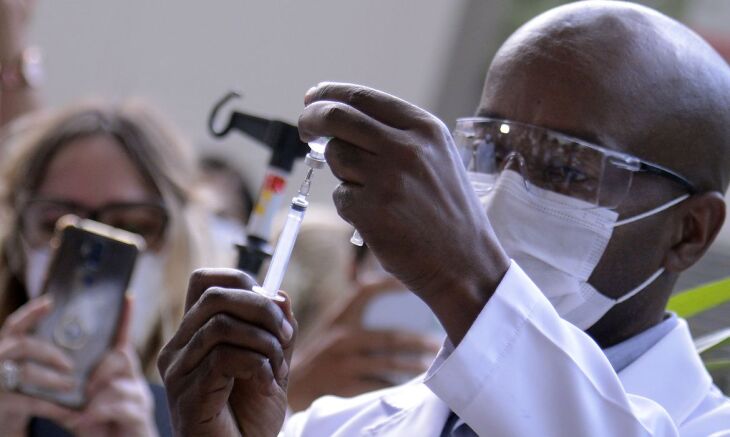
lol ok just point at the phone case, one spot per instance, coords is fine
(88, 279)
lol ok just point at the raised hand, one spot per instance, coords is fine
(405, 189)
(37, 363)
(344, 359)
(226, 369)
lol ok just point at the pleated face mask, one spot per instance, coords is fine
(558, 241)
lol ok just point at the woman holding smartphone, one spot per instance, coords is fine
(118, 165)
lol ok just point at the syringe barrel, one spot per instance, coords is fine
(284, 247)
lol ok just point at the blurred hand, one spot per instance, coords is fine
(15, 17)
(40, 363)
(405, 189)
(348, 362)
(227, 367)
(119, 401)
(341, 358)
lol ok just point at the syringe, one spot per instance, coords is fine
(287, 238)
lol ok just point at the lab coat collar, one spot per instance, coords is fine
(413, 408)
(670, 373)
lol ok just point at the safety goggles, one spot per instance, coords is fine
(551, 161)
(38, 219)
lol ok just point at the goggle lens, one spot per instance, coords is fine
(547, 161)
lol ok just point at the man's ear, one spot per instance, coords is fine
(703, 217)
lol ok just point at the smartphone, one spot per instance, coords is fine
(87, 279)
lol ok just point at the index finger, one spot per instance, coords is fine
(27, 316)
(116, 364)
(381, 106)
(20, 403)
(203, 279)
(245, 305)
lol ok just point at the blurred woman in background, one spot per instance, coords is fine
(120, 165)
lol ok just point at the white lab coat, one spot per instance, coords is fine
(523, 371)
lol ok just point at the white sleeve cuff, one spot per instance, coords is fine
(502, 317)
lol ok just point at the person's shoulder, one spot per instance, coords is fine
(330, 414)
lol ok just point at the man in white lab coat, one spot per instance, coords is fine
(599, 157)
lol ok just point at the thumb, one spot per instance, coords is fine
(285, 304)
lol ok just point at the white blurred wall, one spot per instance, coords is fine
(183, 55)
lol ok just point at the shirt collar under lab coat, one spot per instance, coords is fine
(626, 352)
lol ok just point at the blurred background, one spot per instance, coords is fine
(184, 55)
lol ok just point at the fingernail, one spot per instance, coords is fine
(309, 93)
(286, 330)
(288, 306)
(283, 371)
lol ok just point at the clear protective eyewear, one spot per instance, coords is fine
(549, 160)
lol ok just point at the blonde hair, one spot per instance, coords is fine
(164, 159)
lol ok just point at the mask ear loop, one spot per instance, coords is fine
(656, 274)
(652, 211)
(640, 287)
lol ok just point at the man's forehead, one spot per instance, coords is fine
(547, 94)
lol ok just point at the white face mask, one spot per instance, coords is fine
(226, 231)
(147, 286)
(558, 240)
(36, 266)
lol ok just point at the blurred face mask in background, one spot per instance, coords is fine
(36, 266)
(226, 230)
(147, 287)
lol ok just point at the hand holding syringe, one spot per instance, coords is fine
(285, 244)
